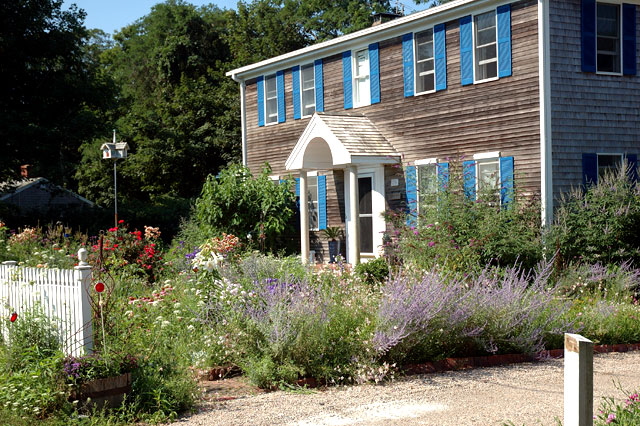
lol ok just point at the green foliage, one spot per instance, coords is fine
(52, 93)
(600, 223)
(255, 209)
(618, 413)
(33, 336)
(373, 272)
(455, 234)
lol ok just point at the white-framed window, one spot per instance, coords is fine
(361, 84)
(271, 99)
(608, 163)
(425, 62)
(485, 46)
(487, 174)
(312, 200)
(427, 181)
(608, 29)
(308, 89)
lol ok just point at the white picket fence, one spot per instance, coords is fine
(63, 295)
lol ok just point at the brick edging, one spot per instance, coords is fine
(449, 364)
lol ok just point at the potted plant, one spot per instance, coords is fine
(333, 233)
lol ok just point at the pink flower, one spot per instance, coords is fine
(432, 243)
(611, 418)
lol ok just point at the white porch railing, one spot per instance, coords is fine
(63, 295)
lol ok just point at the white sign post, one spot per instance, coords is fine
(578, 380)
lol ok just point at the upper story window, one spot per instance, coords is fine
(271, 99)
(308, 89)
(361, 77)
(361, 89)
(425, 62)
(608, 39)
(486, 46)
(271, 104)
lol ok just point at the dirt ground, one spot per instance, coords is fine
(525, 394)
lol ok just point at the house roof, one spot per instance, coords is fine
(340, 139)
(394, 28)
(11, 188)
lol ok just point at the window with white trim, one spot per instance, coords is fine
(308, 89)
(608, 58)
(488, 173)
(361, 85)
(312, 200)
(425, 62)
(486, 46)
(271, 99)
(427, 176)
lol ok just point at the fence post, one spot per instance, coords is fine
(578, 380)
(83, 278)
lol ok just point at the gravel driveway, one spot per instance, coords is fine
(530, 394)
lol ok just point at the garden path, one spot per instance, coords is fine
(529, 393)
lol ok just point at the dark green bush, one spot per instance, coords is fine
(373, 272)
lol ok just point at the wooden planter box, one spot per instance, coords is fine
(108, 392)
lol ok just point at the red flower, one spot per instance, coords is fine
(121, 221)
(14, 317)
(99, 287)
(114, 229)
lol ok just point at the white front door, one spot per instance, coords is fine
(371, 206)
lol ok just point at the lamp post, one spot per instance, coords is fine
(114, 151)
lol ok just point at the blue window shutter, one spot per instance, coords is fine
(469, 179)
(504, 40)
(407, 64)
(588, 28)
(629, 39)
(297, 187)
(632, 160)
(411, 186)
(346, 79)
(260, 84)
(506, 180)
(317, 70)
(443, 176)
(589, 169)
(295, 76)
(374, 73)
(322, 202)
(440, 56)
(280, 83)
(466, 51)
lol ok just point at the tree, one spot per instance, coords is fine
(178, 111)
(51, 92)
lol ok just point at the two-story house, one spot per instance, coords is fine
(544, 90)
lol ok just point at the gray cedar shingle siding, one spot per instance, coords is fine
(590, 112)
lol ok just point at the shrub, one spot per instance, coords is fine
(373, 272)
(255, 209)
(599, 223)
(455, 234)
(493, 313)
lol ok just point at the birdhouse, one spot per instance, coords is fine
(114, 150)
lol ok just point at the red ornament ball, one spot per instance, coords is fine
(99, 287)
(14, 317)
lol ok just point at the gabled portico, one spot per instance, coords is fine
(350, 142)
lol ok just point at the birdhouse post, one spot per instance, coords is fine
(114, 151)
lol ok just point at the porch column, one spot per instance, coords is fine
(304, 218)
(353, 226)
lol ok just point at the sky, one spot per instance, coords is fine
(112, 15)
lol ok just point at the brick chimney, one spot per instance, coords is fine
(24, 170)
